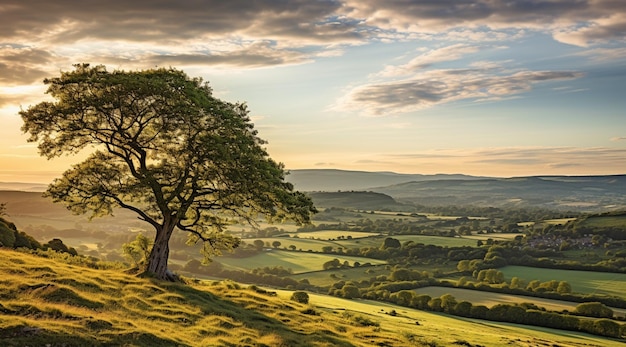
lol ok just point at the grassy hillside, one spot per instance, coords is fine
(588, 193)
(44, 301)
(59, 301)
(355, 199)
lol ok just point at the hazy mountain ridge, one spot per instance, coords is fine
(23, 186)
(591, 193)
(333, 180)
(582, 193)
(588, 193)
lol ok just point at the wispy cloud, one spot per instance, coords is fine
(41, 36)
(434, 87)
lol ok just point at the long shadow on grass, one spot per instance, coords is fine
(213, 305)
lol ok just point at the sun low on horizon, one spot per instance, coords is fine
(485, 88)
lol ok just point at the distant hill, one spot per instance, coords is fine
(23, 187)
(354, 200)
(331, 180)
(582, 193)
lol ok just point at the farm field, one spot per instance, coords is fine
(298, 262)
(300, 244)
(598, 283)
(425, 239)
(329, 277)
(490, 299)
(442, 330)
(332, 234)
(493, 236)
(605, 221)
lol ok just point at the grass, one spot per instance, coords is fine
(329, 277)
(298, 262)
(433, 329)
(45, 301)
(587, 282)
(490, 299)
(333, 234)
(425, 239)
(300, 244)
(605, 222)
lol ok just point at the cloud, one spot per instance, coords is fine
(613, 26)
(144, 20)
(448, 53)
(22, 65)
(620, 138)
(435, 87)
(252, 34)
(576, 22)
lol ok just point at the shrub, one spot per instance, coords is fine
(300, 296)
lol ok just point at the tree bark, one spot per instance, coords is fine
(157, 260)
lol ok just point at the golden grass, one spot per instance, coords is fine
(50, 302)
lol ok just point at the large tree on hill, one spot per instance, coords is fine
(164, 148)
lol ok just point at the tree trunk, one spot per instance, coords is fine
(157, 261)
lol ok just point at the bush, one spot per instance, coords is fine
(300, 296)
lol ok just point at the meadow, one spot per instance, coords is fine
(437, 329)
(490, 299)
(60, 300)
(298, 262)
(587, 282)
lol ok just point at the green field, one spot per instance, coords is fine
(332, 234)
(300, 244)
(493, 236)
(329, 277)
(605, 221)
(587, 282)
(490, 299)
(443, 330)
(425, 239)
(298, 262)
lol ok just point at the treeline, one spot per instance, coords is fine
(524, 313)
(274, 276)
(398, 288)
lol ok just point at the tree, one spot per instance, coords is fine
(164, 148)
(594, 309)
(276, 244)
(259, 244)
(390, 242)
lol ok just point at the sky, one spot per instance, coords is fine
(498, 88)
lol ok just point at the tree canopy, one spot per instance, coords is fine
(164, 147)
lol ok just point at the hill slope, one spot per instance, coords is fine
(330, 180)
(66, 301)
(592, 193)
(47, 302)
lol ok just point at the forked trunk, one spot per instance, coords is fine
(157, 261)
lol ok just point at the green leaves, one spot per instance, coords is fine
(164, 148)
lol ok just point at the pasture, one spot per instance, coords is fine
(304, 245)
(425, 239)
(491, 299)
(587, 282)
(332, 234)
(434, 329)
(298, 262)
(493, 236)
(605, 221)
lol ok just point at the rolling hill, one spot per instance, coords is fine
(574, 193)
